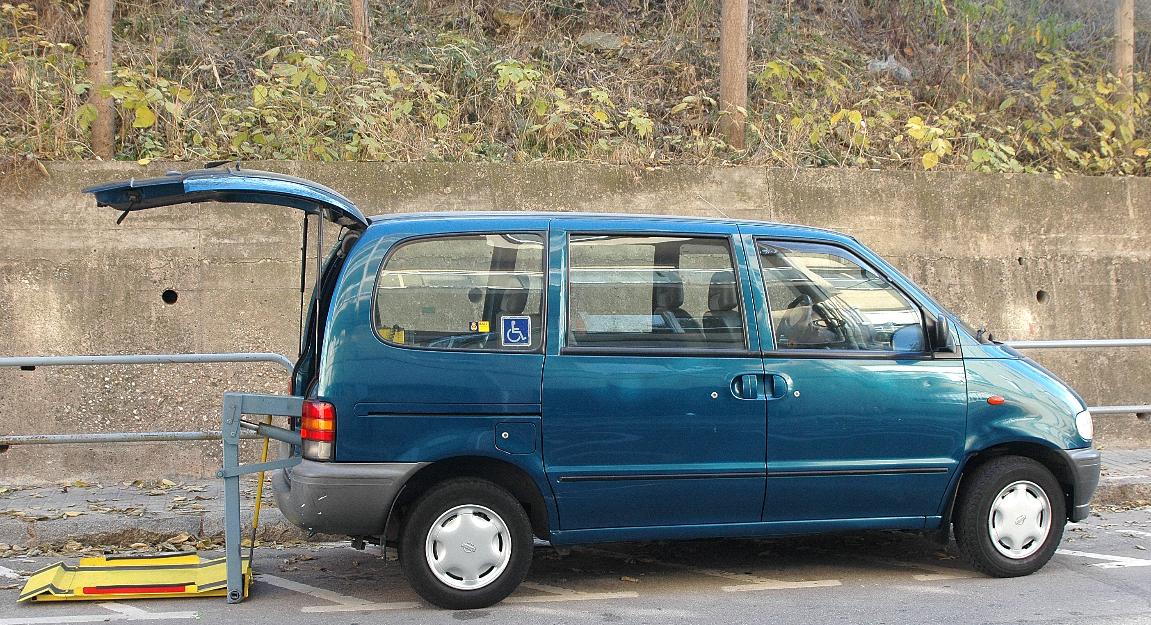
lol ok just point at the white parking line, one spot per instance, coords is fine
(319, 593)
(555, 595)
(753, 582)
(572, 596)
(121, 613)
(346, 603)
(939, 577)
(782, 585)
(1134, 533)
(937, 573)
(1113, 562)
(363, 607)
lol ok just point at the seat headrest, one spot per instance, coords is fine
(667, 292)
(513, 291)
(722, 294)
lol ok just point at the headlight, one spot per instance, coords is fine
(1084, 425)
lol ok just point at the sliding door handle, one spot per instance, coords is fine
(781, 385)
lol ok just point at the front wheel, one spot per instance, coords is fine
(467, 544)
(1010, 517)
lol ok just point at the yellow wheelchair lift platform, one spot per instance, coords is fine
(185, 574)
(131, 577)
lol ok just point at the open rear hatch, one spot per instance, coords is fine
(230, 184)
(250, 186)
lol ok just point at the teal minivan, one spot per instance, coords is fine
(477, 380)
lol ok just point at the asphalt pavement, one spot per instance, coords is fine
(1102, 574)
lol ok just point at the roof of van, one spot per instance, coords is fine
(467, 215)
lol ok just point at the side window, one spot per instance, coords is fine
(660, 292)
(823, 297)
(474, 292)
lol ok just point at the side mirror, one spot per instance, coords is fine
(941, 340)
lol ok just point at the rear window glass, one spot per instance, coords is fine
(472, 292)
(659, 292)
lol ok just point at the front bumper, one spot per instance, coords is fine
(1085, 475)
(340, 497)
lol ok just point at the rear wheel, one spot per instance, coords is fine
(467, 544)
(1010, 517)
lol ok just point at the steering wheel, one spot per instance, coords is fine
(801, 300)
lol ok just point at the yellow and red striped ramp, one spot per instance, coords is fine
(132, 577)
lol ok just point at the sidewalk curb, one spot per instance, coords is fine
(1120, 493)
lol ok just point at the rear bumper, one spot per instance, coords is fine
(1085, 474)
(340, 498)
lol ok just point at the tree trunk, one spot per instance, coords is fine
(98, 55)
(361, 26)
(733, 71)
(1125, 42)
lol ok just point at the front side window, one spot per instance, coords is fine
(823, 297)
(474, 292)
(659, 292)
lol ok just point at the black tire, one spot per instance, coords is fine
(419, 523)
(973, 531)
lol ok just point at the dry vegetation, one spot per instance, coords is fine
(995, 85)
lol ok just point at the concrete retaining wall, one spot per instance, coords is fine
(73, 282)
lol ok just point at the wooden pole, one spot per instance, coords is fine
(361, 25)
(98, 55)
(733, 71)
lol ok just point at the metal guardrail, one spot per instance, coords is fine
(110, 437)
(31, 362)
(25, 362)
(235, 428)
(1141, 410)
(1079, 343)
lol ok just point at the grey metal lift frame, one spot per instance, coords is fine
(236, 405)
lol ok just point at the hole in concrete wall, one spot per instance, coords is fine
(169, 296)
(1019, 260)
(1042, 296)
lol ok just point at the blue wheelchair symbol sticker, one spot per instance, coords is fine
(516, 331)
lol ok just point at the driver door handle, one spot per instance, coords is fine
(746, 386)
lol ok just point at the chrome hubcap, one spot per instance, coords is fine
(1020, 519)
(468, 547)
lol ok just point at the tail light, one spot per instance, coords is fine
(318, 429)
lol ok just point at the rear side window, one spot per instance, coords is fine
(658, 292)
(473, 292)
(824, 298)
